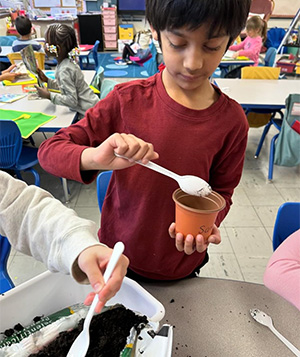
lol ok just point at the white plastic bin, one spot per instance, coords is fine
(48, 293)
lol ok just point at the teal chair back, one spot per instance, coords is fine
(287, 222)
(102, 184)
(7, 40)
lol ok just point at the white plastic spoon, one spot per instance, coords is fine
(190, 184)
(81, 344)
(266, 320)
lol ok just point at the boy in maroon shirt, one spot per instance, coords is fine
(195, 128)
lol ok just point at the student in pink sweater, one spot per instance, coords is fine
(282, 274)
(256, 30)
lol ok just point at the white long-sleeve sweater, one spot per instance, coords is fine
(37, 224)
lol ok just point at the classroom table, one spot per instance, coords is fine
(259, 93)
(64, 116)
(228, 61)
(211, 318)
(5, 50)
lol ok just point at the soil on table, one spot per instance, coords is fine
(108, 334)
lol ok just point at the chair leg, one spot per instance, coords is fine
(261, 141)
(271, 157)
(18, 173)
(66, 189)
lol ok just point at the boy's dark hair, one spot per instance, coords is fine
(220, 15)
(63, 35)
(23, 25)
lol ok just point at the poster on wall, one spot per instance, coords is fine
(69, 3)
(46, 3)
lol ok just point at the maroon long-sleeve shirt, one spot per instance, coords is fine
(138, 208)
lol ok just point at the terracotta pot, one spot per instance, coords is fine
(194, 215)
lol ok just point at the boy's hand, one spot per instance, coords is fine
(190, 244)
(93, 261)
(43, 92)
(128, 145)
(42, 75)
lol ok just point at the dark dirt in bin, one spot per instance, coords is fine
(108, 334)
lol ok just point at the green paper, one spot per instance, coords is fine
(28, 122)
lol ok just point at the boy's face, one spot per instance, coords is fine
(190, 56)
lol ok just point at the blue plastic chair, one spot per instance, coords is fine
(15, 156)
(94, 65)
(287, 222)
(5, 280)
(6, 41)
(270, 57)
(102, 183)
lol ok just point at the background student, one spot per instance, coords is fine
(195, 128)
(75, 93)
(37, 224)
(250, 47)
(24, 26)
(282, 274)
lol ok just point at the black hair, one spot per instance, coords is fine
(257, 23)
(62, 35)
(23, 25)
(219, 15)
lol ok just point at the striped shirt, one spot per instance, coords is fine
(19, 44)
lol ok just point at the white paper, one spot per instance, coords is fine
(69, 3)
(46, 3)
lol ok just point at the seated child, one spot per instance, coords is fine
(250, 47)
(24, 26)
(74, 92)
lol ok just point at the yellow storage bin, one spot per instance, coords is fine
(126, 32)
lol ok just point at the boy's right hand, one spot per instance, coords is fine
(103, 157)
(42, 75)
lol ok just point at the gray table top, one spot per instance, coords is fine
(211, 318)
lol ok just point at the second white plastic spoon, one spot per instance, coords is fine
(266, 320)
(190, 184)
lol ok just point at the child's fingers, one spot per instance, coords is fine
(136, 149)
(201, 243)
(179, 242)
(189, 244)
(172, 232)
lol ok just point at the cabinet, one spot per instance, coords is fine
(90, 29)
(110, 28)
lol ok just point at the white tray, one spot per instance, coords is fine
(48, 293)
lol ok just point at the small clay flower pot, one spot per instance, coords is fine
(196, 215)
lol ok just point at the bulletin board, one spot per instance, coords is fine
(285, 8)
(45, 5)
